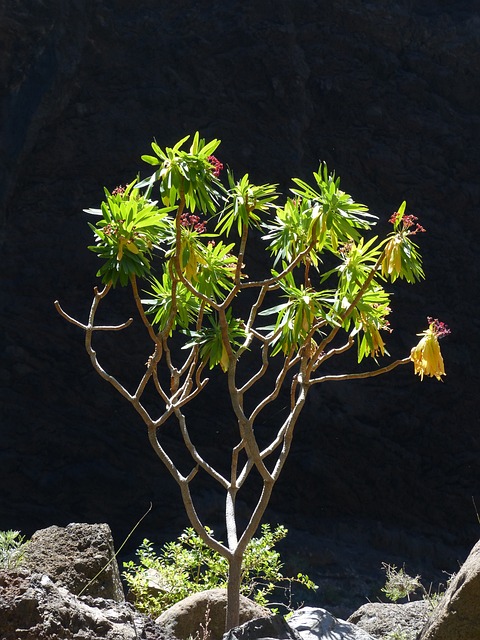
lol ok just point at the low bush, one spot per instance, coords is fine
(188, 565)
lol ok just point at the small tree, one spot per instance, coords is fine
(324, 290)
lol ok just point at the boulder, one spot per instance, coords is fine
(457, 616)
(187, 617)
(79, 557)
(32, 607)
(271, 627)
(314, 623)
(379, 618)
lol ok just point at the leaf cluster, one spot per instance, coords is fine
(129, 228)
(194, 271)
(185, 173)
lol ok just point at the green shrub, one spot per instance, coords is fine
(12, 548)
(400, 585)
(188, 565)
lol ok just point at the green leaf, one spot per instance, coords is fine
(150, 160)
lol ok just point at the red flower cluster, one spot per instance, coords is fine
(408, 222)
(193, 221)
(440, 329)
(217, 166)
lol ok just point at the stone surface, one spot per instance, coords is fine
(380, 619)
(184, 619)
(388, 94)
(269, 627)
(32, 607)
(79, 557)
(457, 617)
(314, 623)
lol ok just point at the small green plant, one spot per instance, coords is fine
(401, 634)
(12, 548)
(400, 585)
(189, 565)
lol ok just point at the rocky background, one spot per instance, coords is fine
(388, 94)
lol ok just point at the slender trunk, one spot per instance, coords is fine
(233, 591)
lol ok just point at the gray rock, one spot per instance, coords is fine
(73, 556)
(32, 607)
(457, 616)
(379, 619)
(271, 627)
(313, 623)
(185, 618)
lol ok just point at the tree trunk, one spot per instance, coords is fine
(233, 592)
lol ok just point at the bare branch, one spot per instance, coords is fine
(256, 516)
(141, 313)
(159, 387)
(77, 323)
(251, 319)
(151, 365)
(245, 426)
(192, 474)
(287, 365)
(365, 374)
(260, 373)
(198, 459)
(286, 431)
(323, 357)
(273, 281)
(238, 269)
(183, 483)
(287, 426)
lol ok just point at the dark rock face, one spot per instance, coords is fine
(387, 94)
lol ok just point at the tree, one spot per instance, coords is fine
(324, 290)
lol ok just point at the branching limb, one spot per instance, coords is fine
(365, 374)
(141, 313)
(77, 323)
(151, 368)
(286, 430)
(274, 280)
(159, 387)
(183, 483)
(256, 516)
(287, 365)
(251, 333)
(238, 269)
(200, 461)
(230, 520)
(244, 425)
(323, 357)
(260, 373)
